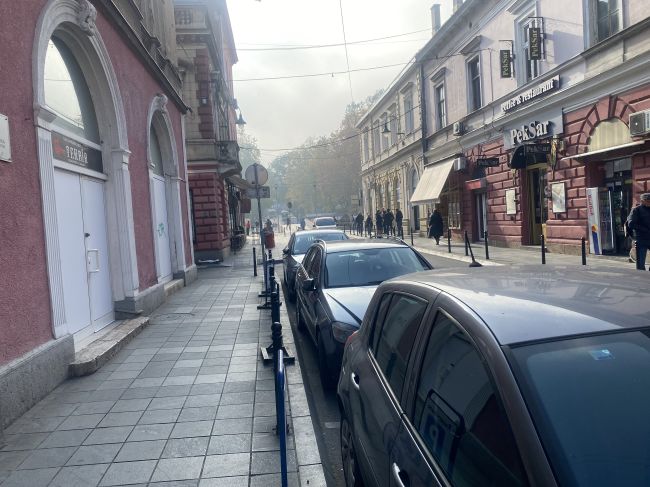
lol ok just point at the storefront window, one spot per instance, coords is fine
(453, 209)
(67, 93)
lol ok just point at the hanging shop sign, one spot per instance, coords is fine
(544, 125)
(67, 150)
(505, 61)
(5, 140)
(534, 43)
(488, 162)
(547, 86)
(264, 192)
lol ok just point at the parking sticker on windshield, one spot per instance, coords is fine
(602, 354)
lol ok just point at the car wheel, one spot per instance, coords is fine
(349, 456)
(326, 378)
(300, 324)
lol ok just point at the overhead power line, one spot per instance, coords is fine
(291, 47)
(345, 45)
(313, 75)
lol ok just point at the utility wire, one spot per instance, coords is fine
(345, 45)
(290, 47)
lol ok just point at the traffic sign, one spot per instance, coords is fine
(264, 192)
(256, 174)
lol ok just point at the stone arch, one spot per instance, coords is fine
(159, 121)
(73, 22)
(606, 108)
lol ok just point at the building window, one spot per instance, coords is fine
(441, 110)
(528, 69)
(366, 148)
(607, 17)
(376, 148)
(384, 137)
(408, 113)
(392, 125)
(453, 209)
(474, 82)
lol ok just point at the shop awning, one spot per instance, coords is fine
(431, 183)
(604, 151)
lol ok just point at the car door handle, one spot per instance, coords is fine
(400, 477)
(354, 378)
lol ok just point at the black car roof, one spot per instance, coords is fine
(367, 243)
(525, 303)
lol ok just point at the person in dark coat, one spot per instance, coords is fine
(639, 223)
(399, 217)
(435, 226)
(359, 223)
(369, 225)
(388, 222)
(379, 221)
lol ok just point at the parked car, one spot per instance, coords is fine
(296, 249)
(334, 285)
(324, 222)
(500, 377)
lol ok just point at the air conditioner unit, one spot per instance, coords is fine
(640, 123)
(458, 128)
(460, 163)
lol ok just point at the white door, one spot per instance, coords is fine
(83, 244)
(72, 247)
(99, 282)
(161, 230)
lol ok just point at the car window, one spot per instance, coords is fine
(325, 221)
(303, 241)
(589, 398)
(308, 258)
(364, 267)
(314, 265)
(458, 416)
(397, 337)
(379, 320)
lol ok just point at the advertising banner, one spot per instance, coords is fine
(593, 221)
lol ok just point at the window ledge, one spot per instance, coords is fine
(616, 38)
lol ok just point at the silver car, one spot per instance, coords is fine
(296, 249)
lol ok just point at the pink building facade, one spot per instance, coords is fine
(94, 185)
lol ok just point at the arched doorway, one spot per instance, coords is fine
(415, 213)
(165, 192)
(83, 165)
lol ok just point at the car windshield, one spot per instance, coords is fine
(322, 222)
(365, 267)
(304, 241)
(590, 398)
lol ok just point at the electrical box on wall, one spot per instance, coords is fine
(460, 163)
(5, 140)
(640, 123)
(458, 128)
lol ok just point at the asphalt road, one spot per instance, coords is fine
(322, 404)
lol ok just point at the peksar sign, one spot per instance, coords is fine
(546, 124)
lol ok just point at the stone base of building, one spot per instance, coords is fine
(212, 254)
(28, 379)
(144, 303)
(189, 275)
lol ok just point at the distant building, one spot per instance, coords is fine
(94, 196)
(206, 54)
(532, 124)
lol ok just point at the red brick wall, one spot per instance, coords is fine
(569, 227)
(210, 212)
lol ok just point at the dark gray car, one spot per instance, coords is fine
(334, 285)
(500, 376)
(296, 249)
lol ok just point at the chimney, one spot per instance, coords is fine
(435, 17)
(457, 4)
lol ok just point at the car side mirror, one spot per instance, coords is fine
(285, 251)
(309, 284)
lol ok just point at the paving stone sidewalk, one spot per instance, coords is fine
(187, 403)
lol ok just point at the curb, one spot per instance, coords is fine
(96, 354)
(310, 468)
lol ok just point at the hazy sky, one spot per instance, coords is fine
(283, 113)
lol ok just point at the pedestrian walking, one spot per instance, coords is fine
(379, 221)
(359, 221)
(435, 226)
(390, 218)
(248, 227)
(399, 217)
(638, 223)
(369, 225)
